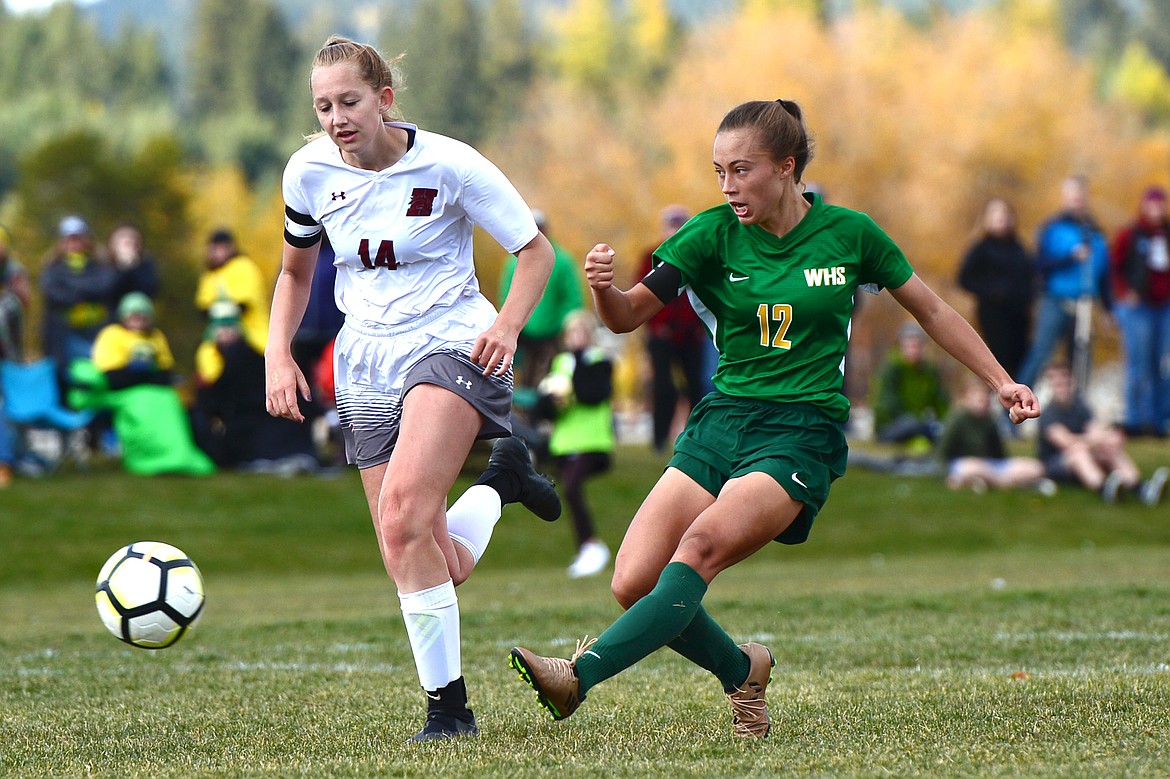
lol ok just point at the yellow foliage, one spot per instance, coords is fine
(222, 199)
(587, 39)
(650, 27)
(1142, 81)
(1023, 16)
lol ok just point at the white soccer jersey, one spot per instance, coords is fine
(403, 235)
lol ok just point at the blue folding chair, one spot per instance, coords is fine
(32, 401)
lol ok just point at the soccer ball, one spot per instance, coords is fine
(149, 594)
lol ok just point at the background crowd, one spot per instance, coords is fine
(112, 387)
(104, 377)
(1040, 311)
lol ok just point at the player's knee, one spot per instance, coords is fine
(699, 551)
(401, 524)
(629, 588)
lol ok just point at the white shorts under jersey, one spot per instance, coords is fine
(403, 235)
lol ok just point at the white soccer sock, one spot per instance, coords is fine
(472, 518)
(432, 624)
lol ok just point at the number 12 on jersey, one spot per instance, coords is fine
(774, 323)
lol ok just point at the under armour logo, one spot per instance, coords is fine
(463, 381)
(338, 196)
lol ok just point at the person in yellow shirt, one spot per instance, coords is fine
(230, 275)
(133, 350)
(130, 376)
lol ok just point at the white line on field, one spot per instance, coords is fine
(1072, 635)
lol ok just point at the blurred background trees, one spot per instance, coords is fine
(600, 111)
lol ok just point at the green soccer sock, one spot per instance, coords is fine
(651, 623)
(707, 645)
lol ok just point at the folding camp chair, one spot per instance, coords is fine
(32, 403)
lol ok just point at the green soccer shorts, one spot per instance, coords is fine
(794, 443)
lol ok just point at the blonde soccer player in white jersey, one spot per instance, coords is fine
(423, 361)
(773, 272)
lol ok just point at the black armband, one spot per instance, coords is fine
(665, 281)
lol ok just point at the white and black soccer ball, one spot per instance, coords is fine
(149, 594)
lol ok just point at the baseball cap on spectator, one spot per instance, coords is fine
(223, 313)
(911, 330)
(72, 225)
(675, 216)
(222, 235)
(135, 303)
(1154, 193)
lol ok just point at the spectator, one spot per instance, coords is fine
(972, 448)
(675, 337)
(910, 397)
(78, 289)
(14, 300)
(577, 396)
(133, 350)
(137, 271)
(231, 422)
(1077, 448)
(540, 338)
(230, 275)
(130, 377)
(1140, 272)
(997, 270)
(1072, 259)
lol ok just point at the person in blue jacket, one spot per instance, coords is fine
(1072, 259)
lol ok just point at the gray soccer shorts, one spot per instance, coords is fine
(376, 367)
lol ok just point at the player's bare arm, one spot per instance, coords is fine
(496, 347)
(283, 379)
(954, 334)
(621, 311)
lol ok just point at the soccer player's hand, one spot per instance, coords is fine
(1020, 402)
(599, 267)
(495, 349)
(282, 381)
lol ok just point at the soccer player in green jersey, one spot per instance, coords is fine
(773, 272)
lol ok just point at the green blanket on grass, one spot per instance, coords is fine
(149, 420)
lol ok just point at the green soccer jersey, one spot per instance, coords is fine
(779, 309)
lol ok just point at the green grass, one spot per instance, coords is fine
(920, 632)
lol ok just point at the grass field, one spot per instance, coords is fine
(919, 633)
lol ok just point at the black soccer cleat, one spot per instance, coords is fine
(442, 724)
(537, 492)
